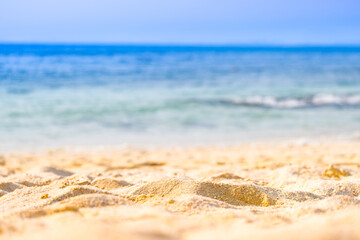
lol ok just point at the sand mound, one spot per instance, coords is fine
(47, 190)
(74, 204)
(109, 183)
(226, 175)
(27, 201)
(242, 194)
(75, 180)
(333, 187)
(333, 172)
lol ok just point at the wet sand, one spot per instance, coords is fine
(251, 191)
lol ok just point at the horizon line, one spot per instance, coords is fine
(195, 44)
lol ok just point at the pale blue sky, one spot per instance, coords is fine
(181, 21)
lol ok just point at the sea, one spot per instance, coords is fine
(54, 95)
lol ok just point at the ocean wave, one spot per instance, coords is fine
(318, 100)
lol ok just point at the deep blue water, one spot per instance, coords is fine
(86, 94)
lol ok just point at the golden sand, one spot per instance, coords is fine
(253, 191)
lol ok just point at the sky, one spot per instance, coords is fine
(181, 22)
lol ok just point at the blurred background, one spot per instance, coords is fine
(190, 72)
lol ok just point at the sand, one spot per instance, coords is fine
(253, 191)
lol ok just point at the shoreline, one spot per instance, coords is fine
(184, 143)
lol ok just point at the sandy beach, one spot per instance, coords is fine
(293, 190)
(180, 120)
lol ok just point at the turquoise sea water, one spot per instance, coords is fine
(56, 95)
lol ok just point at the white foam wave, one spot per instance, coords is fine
(318, 100)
